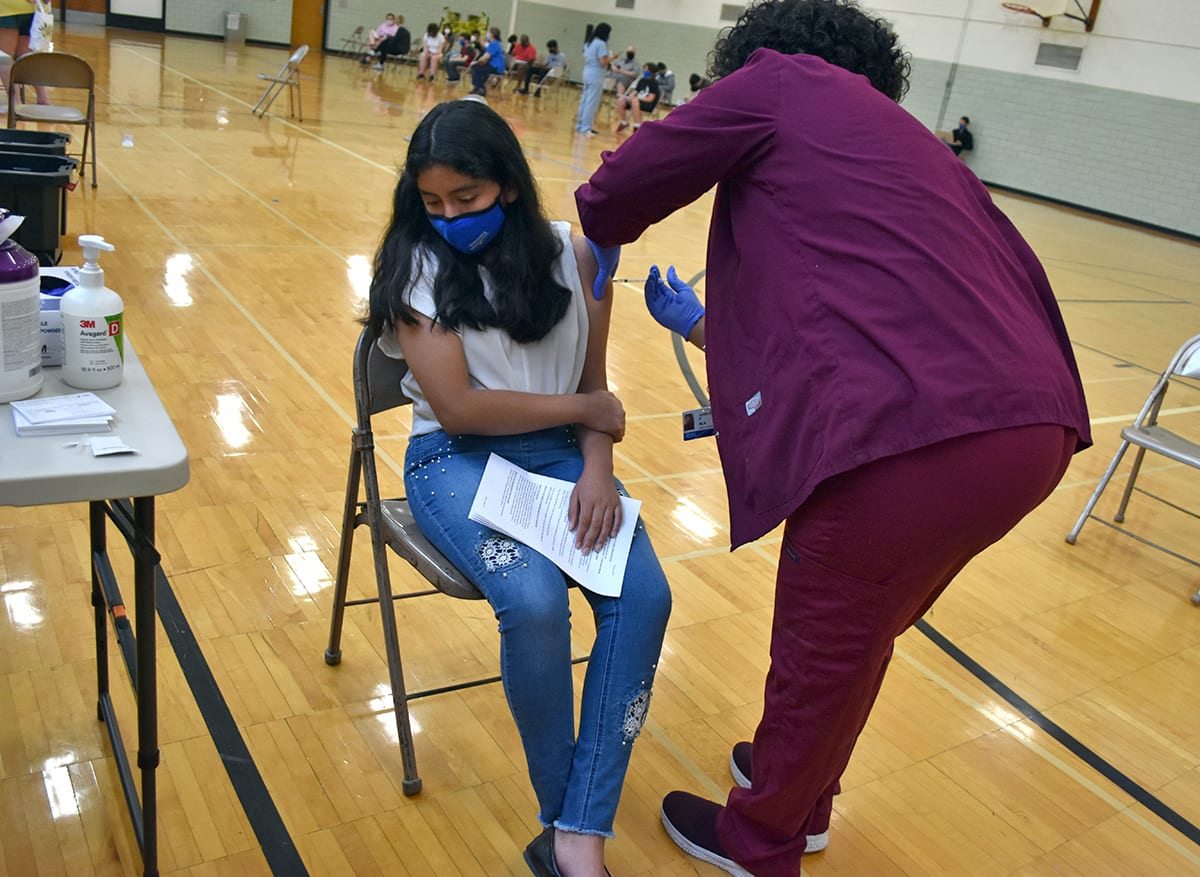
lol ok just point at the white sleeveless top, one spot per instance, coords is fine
(553, 365)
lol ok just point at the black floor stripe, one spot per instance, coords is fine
(281, 854)
(1082, 752)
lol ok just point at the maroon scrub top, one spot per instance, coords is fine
(865, 296)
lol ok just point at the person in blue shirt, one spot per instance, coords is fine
(596, 58)
(491, 61)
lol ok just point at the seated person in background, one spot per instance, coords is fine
(696, 82)
(461, 57)
(397, 45)
(642, 98)
(431, 53)
(386, 28)
(489, 63)
(666, 82)
(523, 54)
(961, 140)
(624, 69)
(554, 60)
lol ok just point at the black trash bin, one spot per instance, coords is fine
(34, 186)
(34, 142)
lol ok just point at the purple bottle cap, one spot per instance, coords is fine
(16, 262)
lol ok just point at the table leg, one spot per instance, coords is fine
(145, 563)
(97, 525)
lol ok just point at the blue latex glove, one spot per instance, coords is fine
(607, 258)
(675, 306)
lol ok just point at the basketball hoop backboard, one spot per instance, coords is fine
(1045, 10)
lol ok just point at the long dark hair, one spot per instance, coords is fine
(837, 31)
(601, 32)
(527, 301)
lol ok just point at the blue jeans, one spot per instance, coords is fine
(577, 779)
(589, 103)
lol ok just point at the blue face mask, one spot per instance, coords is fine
(470, 232)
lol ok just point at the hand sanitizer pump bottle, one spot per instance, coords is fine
(93, 324)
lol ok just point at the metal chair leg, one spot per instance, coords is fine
(1119, 517)
(1091, 503)
(333, 652)
(411, 784)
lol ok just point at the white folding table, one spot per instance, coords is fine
(43, 470)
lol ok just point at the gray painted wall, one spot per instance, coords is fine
(1119, 152)
(268, 20)
(1128, 154)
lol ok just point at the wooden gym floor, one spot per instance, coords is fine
(243, 255)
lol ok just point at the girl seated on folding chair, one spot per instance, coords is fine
(485, 299)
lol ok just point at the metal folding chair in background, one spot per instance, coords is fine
(550, 83)
(55, 70)
(356, 43)
(288, 77)
(1148, 435)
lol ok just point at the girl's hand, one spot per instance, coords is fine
(594, 513)
(605, 413)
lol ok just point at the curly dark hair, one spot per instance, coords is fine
(837, 31)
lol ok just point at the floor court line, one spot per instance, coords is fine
(1073, 745)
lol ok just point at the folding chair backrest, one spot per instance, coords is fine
(1188, 365)
(54, 69)
(1184, 363)
(377, 389)
(377, 378)
(298, 56)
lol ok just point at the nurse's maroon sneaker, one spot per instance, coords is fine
(691, 821)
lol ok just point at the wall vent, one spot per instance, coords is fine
(624, 4)
(731, 11)
(1060, 56)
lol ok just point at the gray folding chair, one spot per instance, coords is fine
(1148, 435)
(62, 71)
(377, 389)
(288, 77)
(356, 43)
(551, 81)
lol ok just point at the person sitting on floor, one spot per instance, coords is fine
(961, 140)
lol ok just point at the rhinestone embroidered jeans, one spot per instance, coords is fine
(577, 779)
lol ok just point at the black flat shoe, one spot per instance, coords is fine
(539, 855)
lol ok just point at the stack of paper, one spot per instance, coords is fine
(62, 415)
(533, 509)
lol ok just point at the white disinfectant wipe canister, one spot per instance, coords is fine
(20, 318)
(93, 324)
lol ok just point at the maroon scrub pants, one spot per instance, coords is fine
(862, 560)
